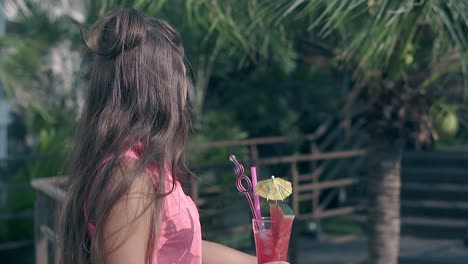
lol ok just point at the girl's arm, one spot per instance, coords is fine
(213, 253)
(128, 225)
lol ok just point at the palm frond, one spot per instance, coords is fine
(258, 35)
(381, 37)
(450, 21)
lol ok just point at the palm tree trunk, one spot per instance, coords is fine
(384, 198)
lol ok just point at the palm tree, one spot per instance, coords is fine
(404, 56)
(402, 50)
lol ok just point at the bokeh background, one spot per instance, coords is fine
(360, 103)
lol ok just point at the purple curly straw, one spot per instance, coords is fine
(240, 172)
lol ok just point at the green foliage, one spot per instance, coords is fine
(53, 144)
(17, 63)
(457, 140)
(217, 126)
(269, 102)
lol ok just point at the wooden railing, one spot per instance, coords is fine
(253, 143)
(49, 193)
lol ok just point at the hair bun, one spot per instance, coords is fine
(121, 31)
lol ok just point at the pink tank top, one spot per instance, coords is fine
(180, 234)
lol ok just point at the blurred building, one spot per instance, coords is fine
(63, 60)
(71, 8)
(2, 22)
(4, 106)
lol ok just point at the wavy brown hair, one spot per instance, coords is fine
(136, 96)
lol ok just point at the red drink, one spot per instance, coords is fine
(271, 243)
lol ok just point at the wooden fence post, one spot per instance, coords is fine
(41, 243)
(315, 179)
(295, 187)
(254, 154)
(315, 195)
(313, 149)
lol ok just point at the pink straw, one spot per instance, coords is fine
(256, 199)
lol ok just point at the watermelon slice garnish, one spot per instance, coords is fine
(282, 218)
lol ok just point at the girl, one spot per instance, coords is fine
(125, 203)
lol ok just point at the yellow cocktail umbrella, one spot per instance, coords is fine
(275, 189)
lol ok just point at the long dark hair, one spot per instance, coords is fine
(136, 96)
